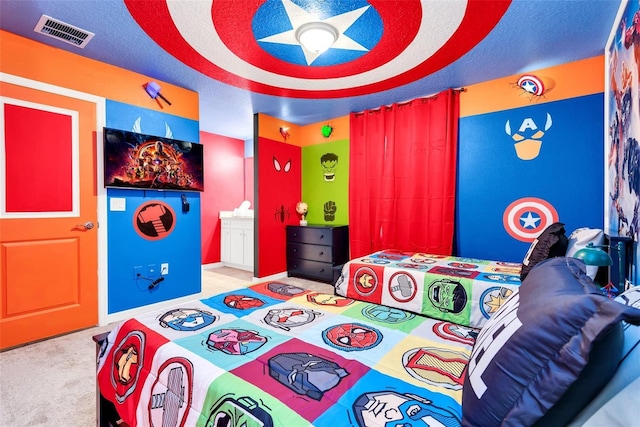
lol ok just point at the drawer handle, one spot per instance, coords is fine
(295, 250)
(322, 236)
(322, 270)
(321, 253)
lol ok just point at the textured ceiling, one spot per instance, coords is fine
(242, 58)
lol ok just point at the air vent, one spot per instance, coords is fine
(63, 31)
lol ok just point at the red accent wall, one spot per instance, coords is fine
(279, 181)
(248, 180)
(224, 188)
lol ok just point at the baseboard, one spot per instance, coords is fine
(271, 277)
(212, 265)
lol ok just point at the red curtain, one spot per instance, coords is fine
(402, 176)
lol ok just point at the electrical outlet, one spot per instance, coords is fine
(164, 268)
(137, 272)
(152, 271)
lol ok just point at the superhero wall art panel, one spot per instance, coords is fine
(325, 182)
(515, 168)
(158, 225)
(622, 205)
(277, 193)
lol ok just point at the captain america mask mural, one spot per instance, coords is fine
(528, 136)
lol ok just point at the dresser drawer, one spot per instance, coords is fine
(313, 235)
(310, 252)
(311, 269)
(313, 251)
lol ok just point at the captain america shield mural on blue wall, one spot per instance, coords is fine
(525, 218)
(251, 44)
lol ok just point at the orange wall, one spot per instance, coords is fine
(302, 136)
(269, 127)
(565, 81)
(561, 82)
(32, 60)
(311, 134)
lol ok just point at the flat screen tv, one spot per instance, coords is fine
(134, 160)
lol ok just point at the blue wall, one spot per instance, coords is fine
(131, 252)
(567, 174)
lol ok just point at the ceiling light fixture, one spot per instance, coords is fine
(316, 37)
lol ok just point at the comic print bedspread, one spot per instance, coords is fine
(276, 355)
(465, 291)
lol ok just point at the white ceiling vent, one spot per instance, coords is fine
(63, 31)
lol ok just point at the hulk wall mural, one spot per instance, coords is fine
(325, 182)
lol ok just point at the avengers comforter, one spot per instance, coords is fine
(276, 355)
(465, 291)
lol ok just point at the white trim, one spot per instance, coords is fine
(254, 279)
(238, 266)
(212, 265)
(268, 278)
(75, 166)
(101, 114)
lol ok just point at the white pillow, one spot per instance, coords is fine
(580, 238)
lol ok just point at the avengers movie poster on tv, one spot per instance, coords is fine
(149, 162)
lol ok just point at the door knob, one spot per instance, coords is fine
(87, 225)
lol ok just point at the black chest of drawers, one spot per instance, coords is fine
(314, 250)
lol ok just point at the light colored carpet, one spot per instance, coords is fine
(52, 383)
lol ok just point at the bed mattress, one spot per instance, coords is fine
(465, 291)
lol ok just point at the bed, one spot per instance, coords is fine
(464, 291)
(273, 354)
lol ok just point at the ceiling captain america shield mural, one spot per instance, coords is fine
(526, 218)
(380, 45)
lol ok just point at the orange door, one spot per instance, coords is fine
(48, 204)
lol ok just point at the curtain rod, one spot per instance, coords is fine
(456, 89)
